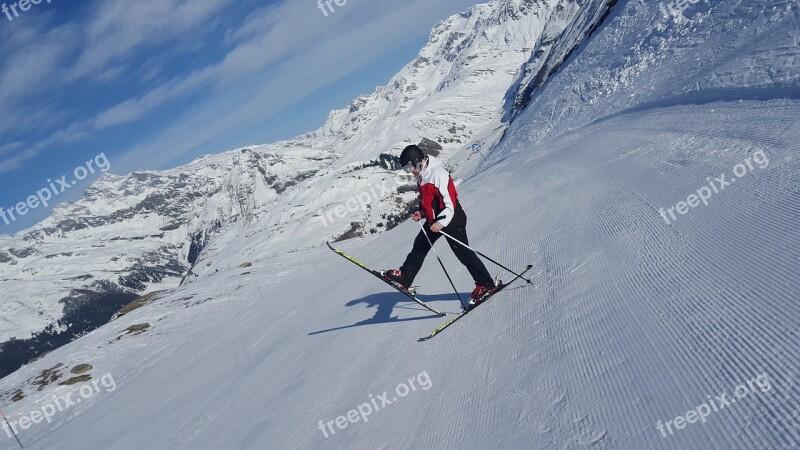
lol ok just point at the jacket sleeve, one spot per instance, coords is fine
(447, 190)
(427, 194)
(420, 208)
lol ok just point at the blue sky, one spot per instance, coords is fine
(152, 84)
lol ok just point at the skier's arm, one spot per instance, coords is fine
(427, 193)
(442, 181)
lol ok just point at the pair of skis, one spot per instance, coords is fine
(413, 297)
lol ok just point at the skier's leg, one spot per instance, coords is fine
(467, 257)
(414, 260)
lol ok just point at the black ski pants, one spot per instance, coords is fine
(467, 257)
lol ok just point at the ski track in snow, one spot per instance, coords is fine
(629, 320)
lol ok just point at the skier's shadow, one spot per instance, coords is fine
(386, 303)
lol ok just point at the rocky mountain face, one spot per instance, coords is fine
(147, 231)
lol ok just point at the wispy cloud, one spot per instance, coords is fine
(118, 28)
(304, 69)
(101, 46)
(134, 109)
(234, 69)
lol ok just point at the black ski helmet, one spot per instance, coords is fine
(411, 154)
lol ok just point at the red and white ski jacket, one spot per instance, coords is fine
(438, 196)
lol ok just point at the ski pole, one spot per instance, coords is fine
(463, 305)
(481, 254)
(10, 428)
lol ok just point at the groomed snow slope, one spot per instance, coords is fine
(630, 320)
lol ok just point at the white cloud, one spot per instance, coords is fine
(311, 68)
(11, 147)
(31, 65)
(119, 27)
(40, 63)
(135, 109)
(71, 134)
(279, 54)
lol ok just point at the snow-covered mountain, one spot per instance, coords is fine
(136, 233)
(147, 231)
(637, 323)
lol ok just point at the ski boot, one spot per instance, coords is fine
(481, 293)
(395, 277)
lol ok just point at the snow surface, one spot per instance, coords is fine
(630, 320)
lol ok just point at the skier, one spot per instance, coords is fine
(442, 211)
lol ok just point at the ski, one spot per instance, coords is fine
(379, 275)
(454, 319)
